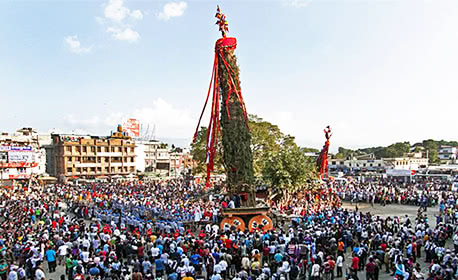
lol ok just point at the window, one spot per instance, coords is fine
(78, 169)
(370, 165)
(132, 149)
(78, 149)
(112, 149)
(92, 169)
(69, 170)
(93, 149)
(99, 149)
(125, 149)
(99, 160)
(364, 165)
(69, 159)
(68, 148)
(84, 149)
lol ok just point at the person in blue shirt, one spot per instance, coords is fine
(173, 276)
(51, 258)
(161, 248)
(94, 271)
(195, 259)
(160, 267)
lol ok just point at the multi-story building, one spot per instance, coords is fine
(180, 162)
(153, 157)
(410, 161)
(90, 157)
(448, 154)
(157, 158)
(21, 157)
(364, 163)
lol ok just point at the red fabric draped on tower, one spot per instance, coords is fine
(322, 160)
(222, 45)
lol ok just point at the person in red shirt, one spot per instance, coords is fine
(228, 243)
(370, 269)
(414, 250)
(355, 266)
(265, 254)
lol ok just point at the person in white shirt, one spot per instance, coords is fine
(61, 253)
(315, 271)
(155, 251)
(217, 268)
(13, 273)
(339, 264)
(39, 274)
(216, 276)
(85, 257)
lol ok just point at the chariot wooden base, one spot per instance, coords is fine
(251, 218)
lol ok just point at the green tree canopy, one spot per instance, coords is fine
(277, 159)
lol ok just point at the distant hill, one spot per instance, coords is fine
(399, 149)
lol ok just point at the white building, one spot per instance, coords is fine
(21, 156)
(158, 159)
(152, 156)
(448, 154)
(411, 161)
(364, 164)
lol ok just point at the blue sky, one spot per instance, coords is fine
(376, 71)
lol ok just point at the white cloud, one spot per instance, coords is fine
(74, 45)
(116, 11)
(124, 35)
(172, 9)
(169, 120)
(137, 14)
(298, 3)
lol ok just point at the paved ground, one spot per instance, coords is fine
(393, 210)
(389, 210)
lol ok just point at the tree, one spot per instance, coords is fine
(344, 153)
(276, 157)
(199, 153)
(265, 138)
(431, 147)
(289, 169)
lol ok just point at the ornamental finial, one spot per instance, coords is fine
(221, 22)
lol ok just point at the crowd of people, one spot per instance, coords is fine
(389, 192)
(170, 230)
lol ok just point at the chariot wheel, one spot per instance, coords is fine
(237, 222)
(260, 223)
